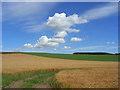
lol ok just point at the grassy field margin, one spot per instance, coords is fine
(43, 78)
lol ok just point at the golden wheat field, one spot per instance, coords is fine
(95, 78)
(92, 74)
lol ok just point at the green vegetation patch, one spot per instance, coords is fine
(42, 80)
(7, 79)
(32, 78)
(113, 58)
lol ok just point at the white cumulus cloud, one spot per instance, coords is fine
(66, 47)
(76, 39)
(28, 45)
(61, 34)
(61, 24)
(45, 42)
(58, 40)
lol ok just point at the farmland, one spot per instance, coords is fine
(113, 58)
(34, 71)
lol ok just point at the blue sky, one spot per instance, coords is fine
(61, 27)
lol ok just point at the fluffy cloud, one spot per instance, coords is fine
(76, 39)
(74, 30)
(28, 45)
(66, 47)
(61, 34)
(58, 40)
(45, 42)
(61, 24)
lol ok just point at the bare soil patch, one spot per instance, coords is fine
(18, 84)
(40, 86)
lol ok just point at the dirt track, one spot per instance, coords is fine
(13, 63)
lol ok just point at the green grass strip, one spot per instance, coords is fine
(113, 58)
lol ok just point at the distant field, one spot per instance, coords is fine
(113, 58)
